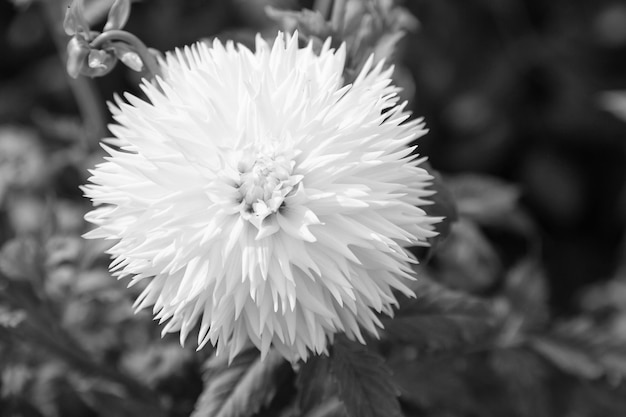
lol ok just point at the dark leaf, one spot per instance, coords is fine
(432, 383)
(317, 389)
(581, 349)
(467, 259)
(443, 206)
(482, 198)
(442, 319)
(527, 292)
(110, 401)
(524, 377)
(364, 381)
(241, 388)
(571, 357)
(20, 259)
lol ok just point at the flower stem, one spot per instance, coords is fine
(338, 15)
(83, 89)
(149, 61)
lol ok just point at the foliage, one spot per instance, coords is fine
(520, 306)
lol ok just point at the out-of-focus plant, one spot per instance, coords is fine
(478, 337)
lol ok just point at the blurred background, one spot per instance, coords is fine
(514, 93)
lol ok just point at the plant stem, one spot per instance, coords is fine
(338, 15)
(88, 100)
(324, 7)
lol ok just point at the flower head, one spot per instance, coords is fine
(262, 198)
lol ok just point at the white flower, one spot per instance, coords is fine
(263, 198)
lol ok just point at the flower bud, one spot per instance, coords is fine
(77, 51)
(118, 15)
(99, 63)
(75, 21)
(128, 56)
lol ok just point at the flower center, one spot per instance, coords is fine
(265, 181)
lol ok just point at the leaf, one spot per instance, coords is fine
(482, 198)
(317, 389)
(441, 319)
(524, 377)
(432, 383)
(21, 259)
(364, 381)
(468, 260)
(443, 206)
(569, 357)
(114, 403)
(241, 388)
(578, 348)
(526, 290)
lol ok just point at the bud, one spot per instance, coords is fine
(99, 63)
(75, 21)
(77, 51)
(118, 15)
(128, 56)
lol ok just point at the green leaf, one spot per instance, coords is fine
(441, 319)
(365, 384)
(241, 388)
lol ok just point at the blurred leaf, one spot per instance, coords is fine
(578, 348)
(570, 356)
(156, 362)
(524, 377)
(241, 388)
(526, 289)
(443, 206)
(432, 383)
(109, 401)
(11, 318)
(21, 258)
(364, 382)
(317, 389)
(614, 102)
(441, 319)
(467, 259)
(482, 198)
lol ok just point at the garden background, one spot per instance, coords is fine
(527, 133)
